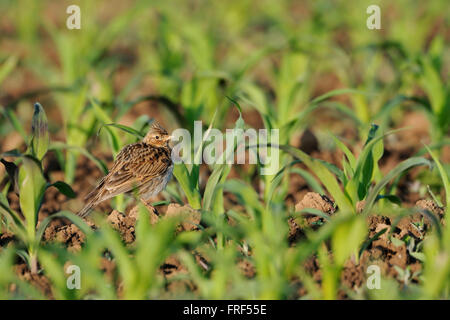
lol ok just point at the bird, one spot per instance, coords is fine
(145, 166)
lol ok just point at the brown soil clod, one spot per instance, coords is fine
(39, 281)
(384, 252)
(125, 224)
(353, 274)
(376, 224)
(431, 206)
(247, 268)
(295, 231)
(311, 200)
(172, 269)
(68, 234)
(190, 218)
(316, 201)
(153, 213)
(5, 239)
(108, 267)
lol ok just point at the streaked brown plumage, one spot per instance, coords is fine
(144, 166)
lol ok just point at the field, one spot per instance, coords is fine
(356, 208)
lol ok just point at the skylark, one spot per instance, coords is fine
(145, 167)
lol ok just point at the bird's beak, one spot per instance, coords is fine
(168, 138)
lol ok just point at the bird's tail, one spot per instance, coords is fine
(93, 198)
(86, 210)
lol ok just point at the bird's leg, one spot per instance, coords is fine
(149, 206)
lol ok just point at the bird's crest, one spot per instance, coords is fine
(157, 126)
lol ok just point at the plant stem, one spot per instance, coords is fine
(33, 263)
(70, 166)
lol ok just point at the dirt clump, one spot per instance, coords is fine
(316, 201)
(153, 213)
(189, 217)
(431, 206)
(172, 271)
(353, 275)
(311, 200)
(125, 224)
(312, 267)
(39, 281)
(384, 252)
(108, 267)
(67, 234)
(6, 239)
(247, 268)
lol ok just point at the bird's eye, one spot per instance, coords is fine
(157, 137)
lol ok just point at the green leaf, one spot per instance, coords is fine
(214, 187)
(446, 183)
(399, 169)
(13, 172)
(433, 85)
(39, 128)
(247, 197)
(444, 177)
(12, 153)
(397, 242)
(100, 164)
(9, 114)
(367, 243)
(181, 173)
(334, 93)
(122, 127)
(103, 117)
(372, 133)
(213, 180)
(390, 197)
(7, 67)
(32, 187)
(12, 217)
(333, 169)
(418, 255)
(366, 176)
(64, 188)
(325, 176)
(315, 212)
(360, 182)
(342, 108)
(310, 180)
(369, 166)
(347, 238)
(79, 222)
(350, 157)
(7, 262)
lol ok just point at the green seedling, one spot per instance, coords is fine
(31, 186)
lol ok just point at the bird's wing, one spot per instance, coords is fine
(135, 165)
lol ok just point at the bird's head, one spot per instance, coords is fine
(157, 136)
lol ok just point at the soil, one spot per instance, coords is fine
(189, 218)
(382, 251)
(67, 234)
(171, 270)
(311, 200)
(41, 282)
